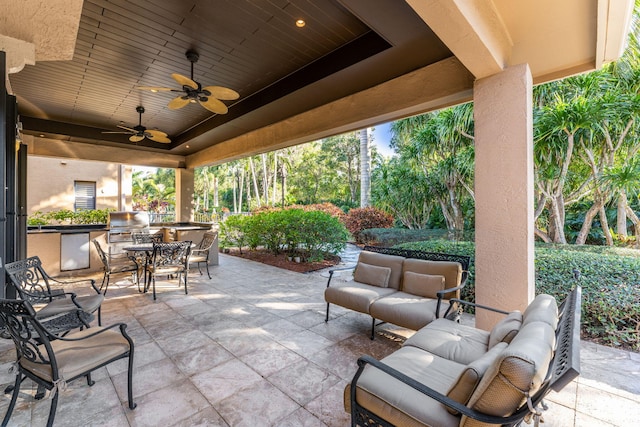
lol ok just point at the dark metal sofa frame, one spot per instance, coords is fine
(564, 367)
(465, 262)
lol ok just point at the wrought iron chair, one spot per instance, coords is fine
(52, 361)
(47, 294)
(200, 254)
(169, 258)
(115, 264)
(146, 237)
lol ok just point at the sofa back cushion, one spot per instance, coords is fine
(462, 389)
(452, 271)
(394, 262)
(424, 285)
(506, 329)
(519, 369)
(543, 308)
(372, 275)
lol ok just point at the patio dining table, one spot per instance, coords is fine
(142, 251)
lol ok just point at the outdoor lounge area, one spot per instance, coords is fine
(250, 347)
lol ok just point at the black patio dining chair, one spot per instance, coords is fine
(51, 361)
(48, 296)
(116, 264)
(200, 254)
(169, 259)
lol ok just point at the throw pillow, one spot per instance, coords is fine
(372, 275)
(424, 285)
(465, 385)
(506, 329)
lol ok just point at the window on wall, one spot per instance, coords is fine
(85, 192)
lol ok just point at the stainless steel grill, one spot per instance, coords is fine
(122, 224)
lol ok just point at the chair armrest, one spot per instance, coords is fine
(473, 304)
(442, 293)
(90, 282)
(338, 269)
(428, 391)
(98, 330)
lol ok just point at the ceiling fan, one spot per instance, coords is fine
(209, 96)
(139, 132)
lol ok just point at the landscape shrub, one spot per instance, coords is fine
(360, 219)
(312, 234)
(394, 236)
(610, 280)
(69, 217)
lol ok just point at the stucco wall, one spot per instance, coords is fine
(50, 183)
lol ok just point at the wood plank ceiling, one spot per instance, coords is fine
(251, 46)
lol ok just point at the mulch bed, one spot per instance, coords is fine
(281, 261)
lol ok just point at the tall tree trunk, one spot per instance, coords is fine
(586, 224)
(248, 181)
(255, 182)
(241, 190)
(365, 169)
(275, 178)
(621, 217)
(557, 215)
(604, 222)
(636, 224)
(284, 182)
(216, 196)
(265, 180)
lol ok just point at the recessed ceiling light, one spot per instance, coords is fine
(300, 23)
(41, 135)
(187, 146)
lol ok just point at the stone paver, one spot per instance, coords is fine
(250, 348)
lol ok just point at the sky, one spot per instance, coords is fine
(382, 137)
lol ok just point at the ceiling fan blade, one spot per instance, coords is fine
(222, 92)
(177, 103)
(136, 138)
(155, 133)
(122, 133)
(184, 81)
(158, 138)
(126, 128)
(214, 105)
(154, 88)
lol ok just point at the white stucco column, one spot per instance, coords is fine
(504, 258)
(184, 194)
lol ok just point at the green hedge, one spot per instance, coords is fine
(310, 234)
(610, 280)
(66, 216)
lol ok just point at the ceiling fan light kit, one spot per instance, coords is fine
(210, 97)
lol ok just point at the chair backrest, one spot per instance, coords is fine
(30, 338)
(207, 240)
(30, 280)
(146, 237)
(101, 253)
(171, 253)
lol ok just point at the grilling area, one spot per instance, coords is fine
(66, 250)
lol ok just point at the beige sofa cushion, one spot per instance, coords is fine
(392, 261)
(451, 340)
(519, 369)
(543, 308)
(76, 357)
(372, 275)
(424, 285)
(400, 404)
(452, 271)
(462, 389)
(506, 329)
(406, 310)
(355, 296)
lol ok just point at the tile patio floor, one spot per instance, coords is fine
(250, 348)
